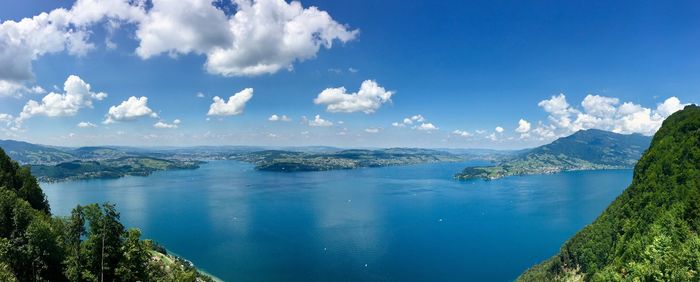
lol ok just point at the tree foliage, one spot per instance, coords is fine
(89, 245)
(650, 232)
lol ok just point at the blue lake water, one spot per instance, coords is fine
(407, 223)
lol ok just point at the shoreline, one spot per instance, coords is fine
(200, 270)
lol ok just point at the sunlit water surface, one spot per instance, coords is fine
(407, 223)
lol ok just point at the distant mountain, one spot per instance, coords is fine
(293, 161)
(27, 153)
(98, 153)
(108, 168)
(650, 232)
(583, 150)
(599, 147)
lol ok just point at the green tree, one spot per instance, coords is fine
(104, 240)
(74, 232)
(134, 264)
(651, 231)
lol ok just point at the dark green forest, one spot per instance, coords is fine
(650, 232)
(89, 245)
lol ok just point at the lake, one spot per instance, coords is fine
(404, 223)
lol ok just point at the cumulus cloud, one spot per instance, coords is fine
(76, 95)
(23, 41)
(7, 119)
(164, 125)
(499, 129)
(17, 89)
(606, 113)
(131, 109)
(492, 136)
(234, 106)
(372, 130)
(409, 121)
(261, 37)
(462, 133)
(426, 127)
(85, 124)
(319, 122)
(523, 126)
(368, 99)
(279, 118)
(670, 106)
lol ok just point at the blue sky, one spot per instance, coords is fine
(471, 69)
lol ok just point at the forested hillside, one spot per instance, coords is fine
(89, 245)
(650, 232)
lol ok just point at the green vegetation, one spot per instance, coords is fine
(650, 232)
(89, 245)
(584, 150)
(288, 161)
(112, 168)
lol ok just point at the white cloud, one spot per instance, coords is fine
(599, 106)
(77, 95)
(462, 133)
(24, 41)
(319, 122)
(604, 113)
(523, 126)
(18, 89)
(372, 130)
(418, 118)
(262, 37)
(85, 124)
(368, 99)
(669, 106)
(499, 129)
(234, 106)
(279, 118)
(409, 121)
(7, 119)
(543, 132)
(131, 109)
(353, 70)
(200, 95)
(426, 127)
(492, 137)
(164, 125)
